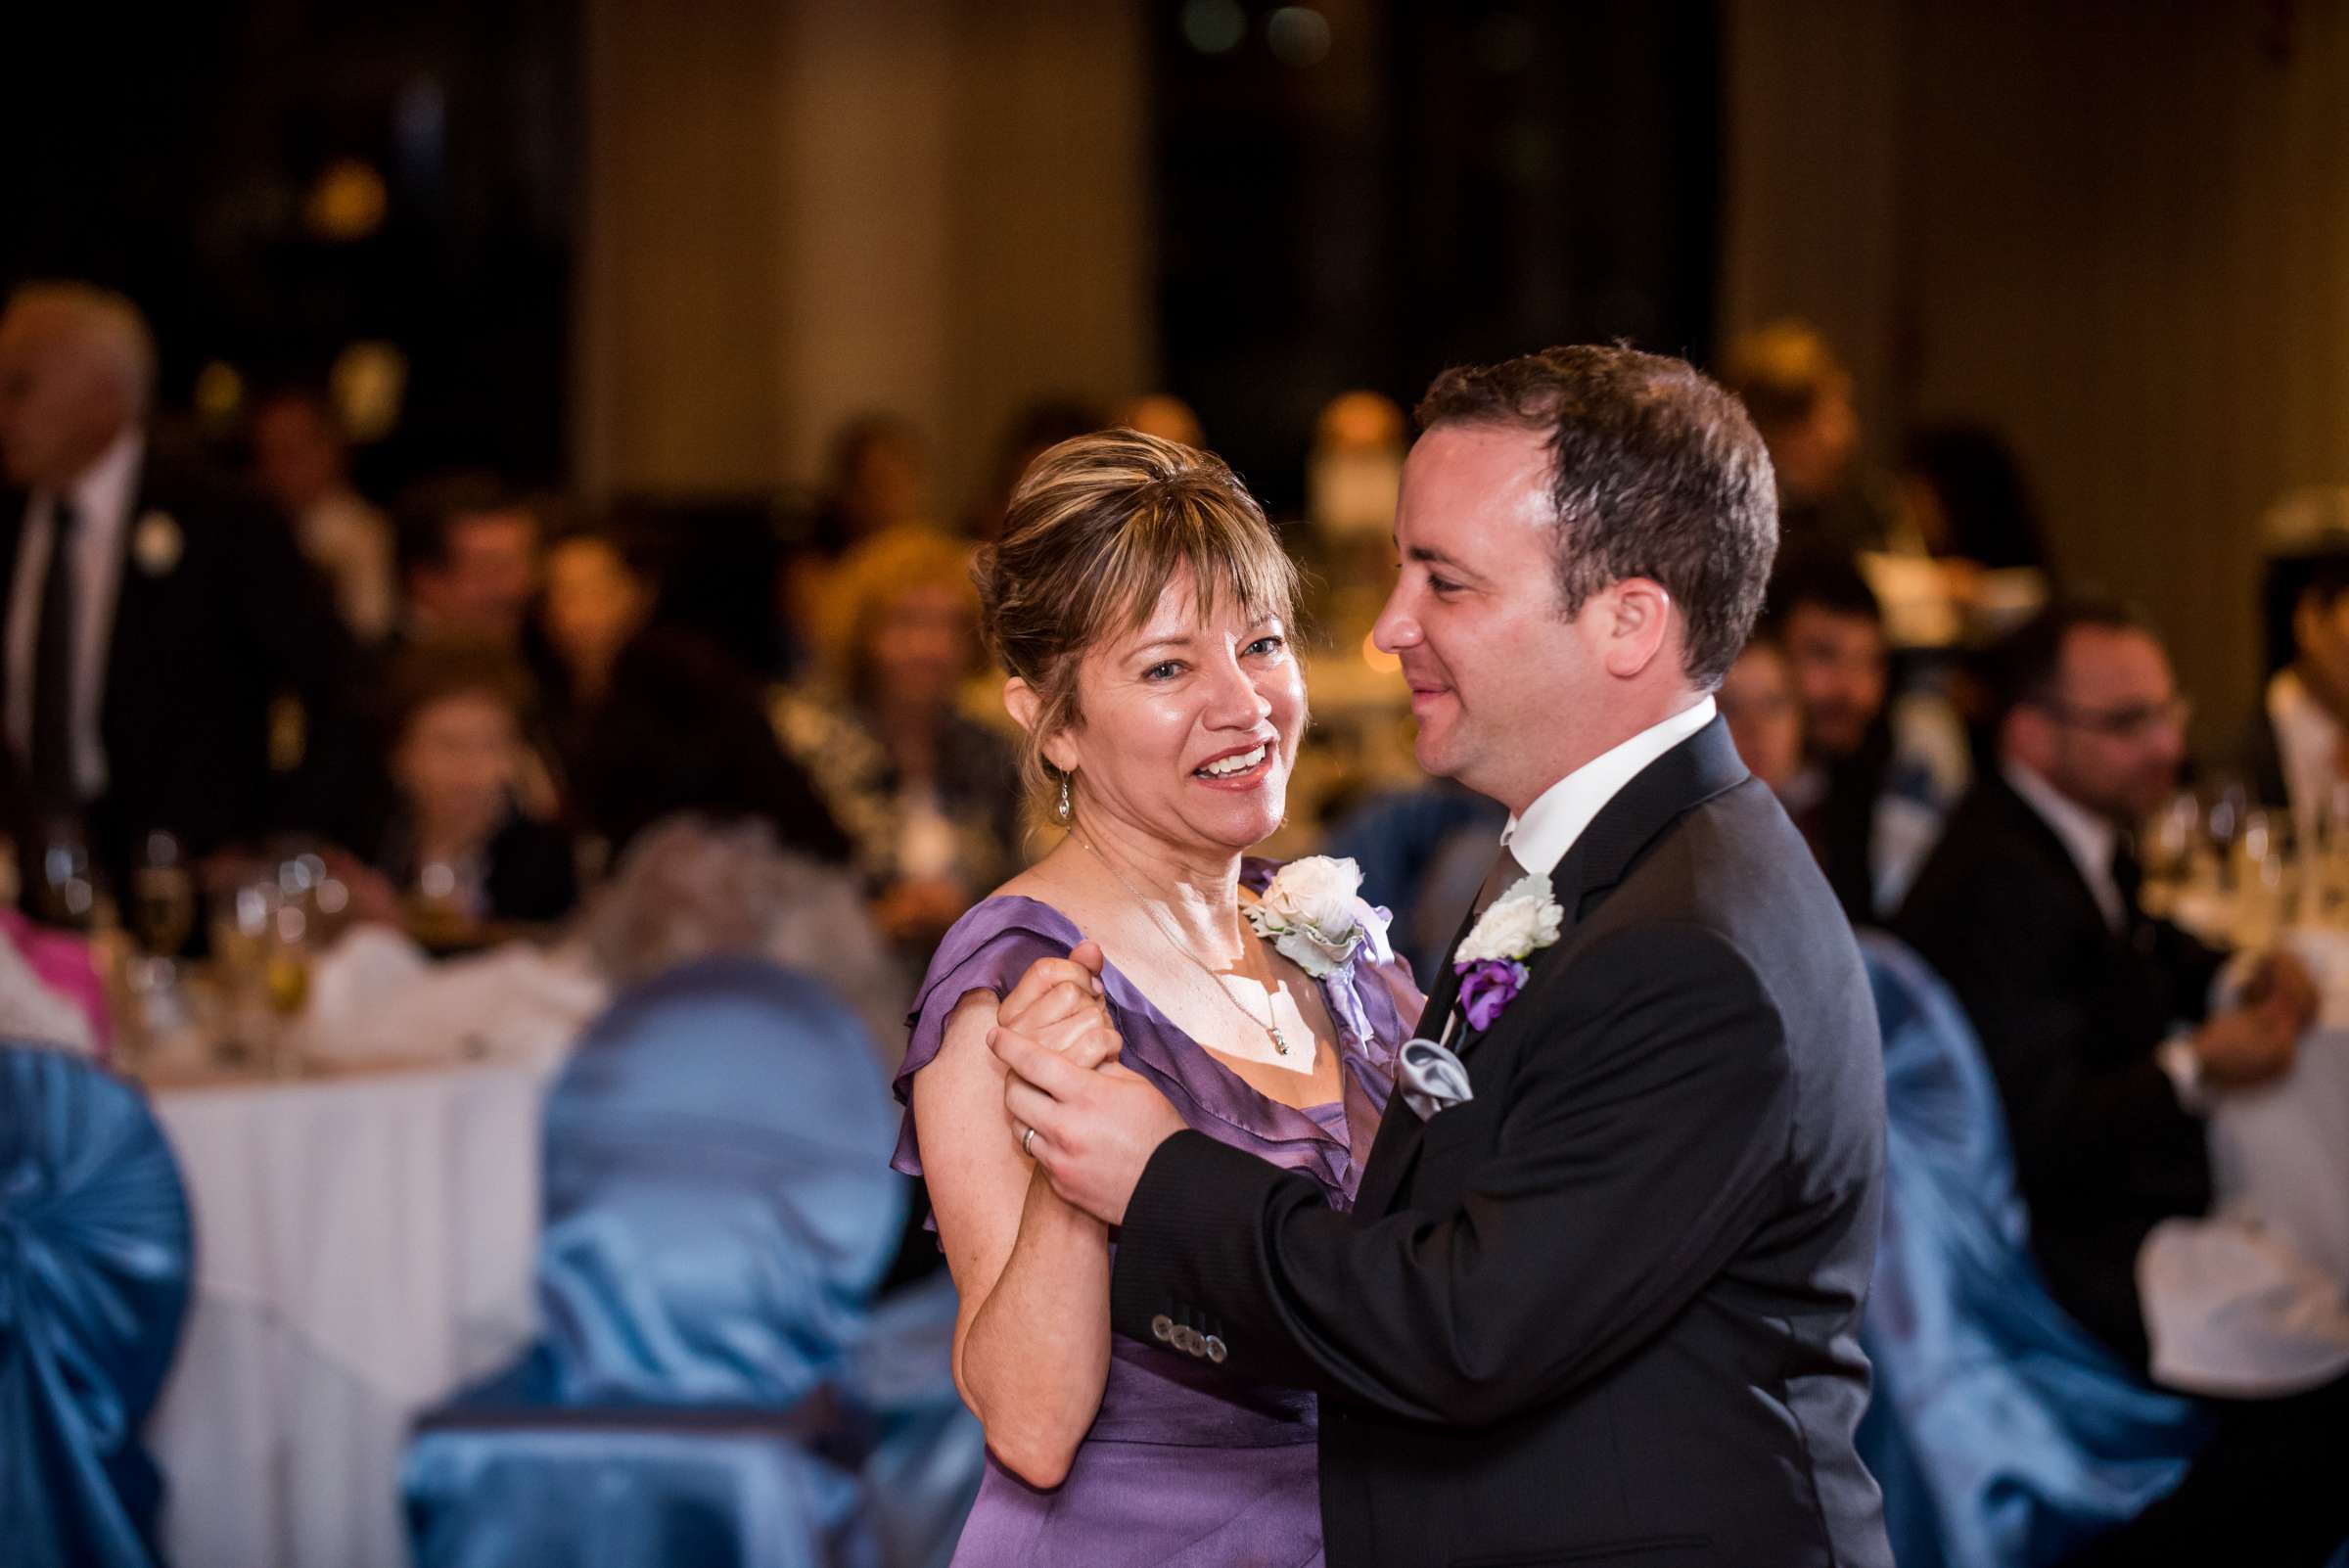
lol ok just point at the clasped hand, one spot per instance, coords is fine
(1094, 1123)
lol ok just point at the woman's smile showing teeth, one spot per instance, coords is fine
(1235, 765)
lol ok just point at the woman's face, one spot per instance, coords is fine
(1190, 727)
(456, 763)
(595, 603)
(921, 644)
(1765, 722)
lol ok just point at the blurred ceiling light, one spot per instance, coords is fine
(369, 383)
(219, 396)
(1214, 26)
(1298, 36)
(1377, 657)
(347, 202)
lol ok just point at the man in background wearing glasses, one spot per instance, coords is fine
(2094, 1017)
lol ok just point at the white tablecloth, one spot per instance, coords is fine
(2254, 1300)
(364, 1246)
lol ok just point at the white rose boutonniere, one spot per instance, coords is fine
(1307, 913)
(157, 543)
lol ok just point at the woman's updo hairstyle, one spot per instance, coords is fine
(1097, 528)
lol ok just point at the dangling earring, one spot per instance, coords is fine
(1064, 799)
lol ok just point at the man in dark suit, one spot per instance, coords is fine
(153, 618)
(2096, 1020)
(1606, 1309)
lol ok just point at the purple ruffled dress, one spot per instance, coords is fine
(1184, 1468)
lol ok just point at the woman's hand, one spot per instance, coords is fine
(1060, 1003)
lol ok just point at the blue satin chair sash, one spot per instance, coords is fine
(718, 1209)
(96, 1254)
(2003, 1434)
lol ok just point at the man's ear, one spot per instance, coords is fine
(1634, 625)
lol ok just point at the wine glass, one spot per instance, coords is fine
(163, 897)
(69, 891)
(2171, 842)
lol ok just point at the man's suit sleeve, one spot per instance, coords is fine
(1645, 1139)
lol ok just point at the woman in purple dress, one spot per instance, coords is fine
(1141, 605)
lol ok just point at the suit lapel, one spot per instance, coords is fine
(1692, 773)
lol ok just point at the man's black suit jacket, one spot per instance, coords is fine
(2071, 1014)
(200, 647)
(1605, 1311)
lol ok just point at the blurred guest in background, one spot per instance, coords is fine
(1869, 797)
(689, 888)
(1799, 394)
(302, 460)
(1163, 415)
(1765, 714)
(650, 721)
(879, 479)
(1965, 498)
(154, 615)
(469, 558)
(931, 798)
(2029, 909)
(457, 849)
(2297, 753)
(1034, 430)
(1351, 478)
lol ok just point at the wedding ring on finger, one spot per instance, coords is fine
(1027, 1138)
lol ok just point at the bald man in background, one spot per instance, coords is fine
(152, 615)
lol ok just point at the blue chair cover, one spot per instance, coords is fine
(929, 1452)
(95, 1257)
(2003, 1436)
(718, 1208)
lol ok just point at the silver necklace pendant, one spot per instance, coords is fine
(1279, 1043)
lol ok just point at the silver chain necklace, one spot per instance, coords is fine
(1279, 1042)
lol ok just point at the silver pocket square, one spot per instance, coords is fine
(1431, 1077)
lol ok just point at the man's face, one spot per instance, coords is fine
(1498, 674)
(2321, 641)
(1840, 671)
(490, 576)
(60, 405)
(296, 452)
(2113, 733)
(1765, 722)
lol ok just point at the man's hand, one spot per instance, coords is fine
(1059, 1003)
(1094, 1131)
(2280, 979)
(2248, 1046)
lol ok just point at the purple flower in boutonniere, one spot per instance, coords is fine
(1487, 986)
(1490, 961)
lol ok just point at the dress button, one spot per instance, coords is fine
(1186, 1339)
(1216, 1351)
(1161, 1328)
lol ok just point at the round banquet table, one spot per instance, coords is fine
(2253, 1301)
(365, 1243)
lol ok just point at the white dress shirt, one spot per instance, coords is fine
(2086, 837)
(102, 499)
(1540, 839)
(2308, 743)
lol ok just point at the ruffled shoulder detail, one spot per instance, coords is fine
(987, 950)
